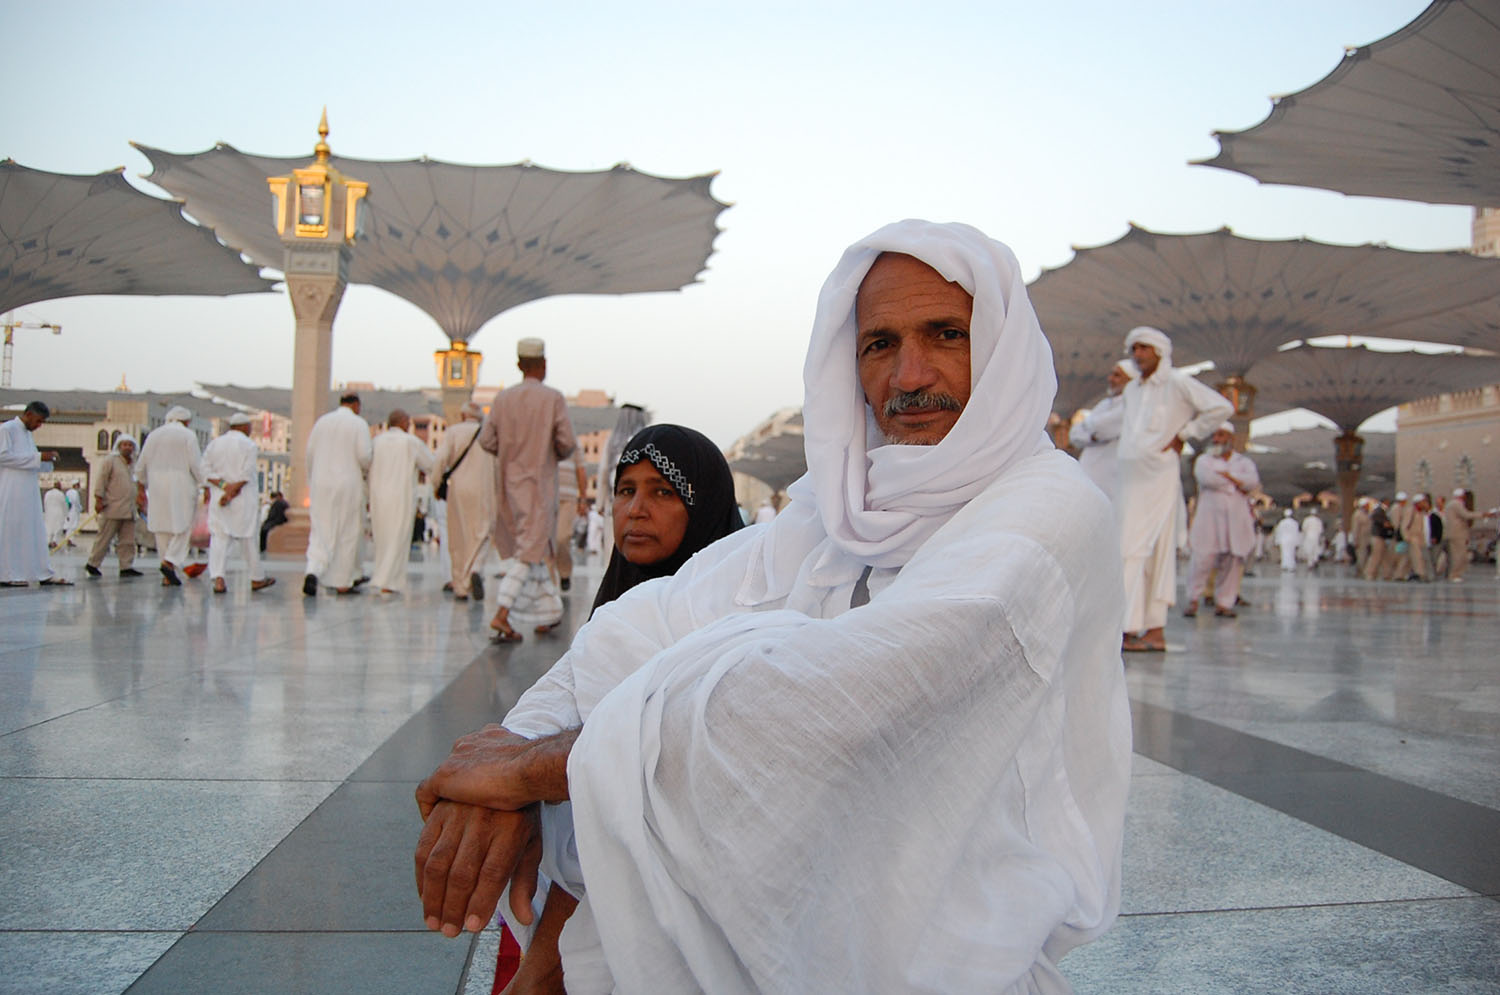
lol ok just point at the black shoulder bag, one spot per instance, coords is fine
(441, 493)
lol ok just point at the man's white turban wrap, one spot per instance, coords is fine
(179, 413)
(1153, 337)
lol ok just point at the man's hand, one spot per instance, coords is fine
(98, 504)
(496, 768)
(465, 857)
(1175, 445)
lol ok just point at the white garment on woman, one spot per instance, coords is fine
(396, 456)
(774, 791)
(170, 466)
(23, 533)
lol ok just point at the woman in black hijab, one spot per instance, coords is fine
(668, 478)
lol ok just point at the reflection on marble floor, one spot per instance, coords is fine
(173, 759)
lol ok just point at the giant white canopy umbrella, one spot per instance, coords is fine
(1413, 116)
(66, 235)
(465, 243)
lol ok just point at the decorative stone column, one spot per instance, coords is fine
(1350, 452)
(458, 375)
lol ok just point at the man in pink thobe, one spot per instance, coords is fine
(529, 433)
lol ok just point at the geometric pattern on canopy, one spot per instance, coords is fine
(1235, 300)
(63, 235)
(1349, 384)
(1413, 116)
(464, 243)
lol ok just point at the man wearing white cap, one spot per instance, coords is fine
(528, 432)
(1286, 536)
(1312, 539)
(170, 476)
(1223, 530)
(115, 500)
(234, 503)
(1163, 409)
(1096, 436)
(338, 455)
(470, 475)
(396, 456)
(878, 744)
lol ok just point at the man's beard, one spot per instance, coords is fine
(919, 400)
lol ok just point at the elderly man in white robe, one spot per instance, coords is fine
(23, 533)
(470, 474)
(396, 458)
(170, 476)
(879, 743)
(1223, 529)
(1163, 409)
(229, 467)
(1096, 435)
(1311, 544)
(338, 456)
(1287, 536)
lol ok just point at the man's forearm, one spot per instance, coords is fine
(543, 769)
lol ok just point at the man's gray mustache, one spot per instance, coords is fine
(921, 400)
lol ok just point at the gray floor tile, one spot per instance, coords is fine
(135, 855)
(1445, 947)
(69, 963)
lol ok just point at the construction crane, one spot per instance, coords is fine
(10, 347)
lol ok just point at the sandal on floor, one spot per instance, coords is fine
(505, 636)
(1141, 646)
(57, 582)
(542, 630)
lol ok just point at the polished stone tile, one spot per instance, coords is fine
(257, 963)
(1191, 847)
(1442, 947)
(134, 855)
(72, 963)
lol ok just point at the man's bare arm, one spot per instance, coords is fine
(498, 769)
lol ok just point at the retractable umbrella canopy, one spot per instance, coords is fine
(1235, 300)
(1347, 385)
(465, 243)
(65, 235)
(1413, 116)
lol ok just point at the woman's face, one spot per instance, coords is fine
(650, 519)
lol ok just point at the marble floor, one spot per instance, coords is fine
(204, 793)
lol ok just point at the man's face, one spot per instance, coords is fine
(1118, 378)
(127, 450)
(32, 420)
(913, 349)
(1223, 437)
(1145, 357)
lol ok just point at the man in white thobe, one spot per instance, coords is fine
(23, 533)
(396, 457)
(471, 500)
(338, 455)
(528, 431)
(1163, 409)
(1223, 530)
(75, 513)
(55, 514)
(229, 467)
(170, 475)
(1312, 539)
(1096, 435)
(881, 743)
(1287, 536)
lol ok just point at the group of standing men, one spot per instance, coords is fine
(1411, 539)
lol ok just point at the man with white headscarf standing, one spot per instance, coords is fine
(338, 454)
(170, 476)
(23, 532)
(396, 456)
(470, 475)
(528, 432)
(234, 503)
(115, 500)
(1163, 409)
(1097, 434)
(879, 743)
(1223, 530)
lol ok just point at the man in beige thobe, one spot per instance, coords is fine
(471, 500)
(1457, 518)
(572, 490)
(115, 500)
(529, 432)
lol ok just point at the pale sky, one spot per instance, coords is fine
(1047, 125)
